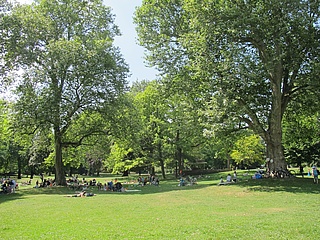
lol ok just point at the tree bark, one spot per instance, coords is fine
(60, 178)
(161, 161)
(274, 133)
(179, 153)
(19, 167)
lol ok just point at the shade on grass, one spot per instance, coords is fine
(250, 209)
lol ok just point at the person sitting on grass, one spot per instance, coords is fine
(110, 185)
(221, 180)
(118, 187)
(229, 178)
(145, 181)
(182, 182)
(99, 185)
(37, 184)
(5, 187)
(156, 181)
(235, 176)
(257, 175)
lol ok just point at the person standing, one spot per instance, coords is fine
(13, 186)
(315, 174)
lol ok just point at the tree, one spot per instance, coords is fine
(255, 55)
(248, 150)
(5, 8)
(138, 140)
(170, 131)
(301, 130)
(4, 138)
(12, 158)
(149, 104)
(69, 65)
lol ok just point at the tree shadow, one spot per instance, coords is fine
(291, 185)
(22, 193)
(167, 186)
(10, 197)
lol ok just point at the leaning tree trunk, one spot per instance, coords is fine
(60, 175)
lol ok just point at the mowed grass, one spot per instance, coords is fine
(250, 209)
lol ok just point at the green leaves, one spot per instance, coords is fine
(248, 150)
(252, 53)
(69, 63)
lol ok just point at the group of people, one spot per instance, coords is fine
(8, 185)
(229, 179)
(113, 186)
(151, 179)
(188, 181)
(45, 183)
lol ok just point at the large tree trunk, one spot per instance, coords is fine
(60, 175)
(275, 155)
(273, 136)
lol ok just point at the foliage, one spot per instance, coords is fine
(69, 65)
(121, 159)
(255, 56)
(248, 150)
(301, 131)
(4, 135)
(166, 126)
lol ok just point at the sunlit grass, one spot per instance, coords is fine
(250, 209)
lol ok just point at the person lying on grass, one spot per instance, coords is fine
(82, 194)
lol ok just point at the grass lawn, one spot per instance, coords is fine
(250, 209)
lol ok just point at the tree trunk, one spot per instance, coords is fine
(60, 175)
(274, 133)
(31, 172)
(19, 167)
(124, 174)
(275, 154)
(180, 162)
(161, 160)
(179, 153)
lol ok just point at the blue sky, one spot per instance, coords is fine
(132, 52)
(127, 42)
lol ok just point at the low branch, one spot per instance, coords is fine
(80, 141)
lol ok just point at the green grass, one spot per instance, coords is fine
(250, 209)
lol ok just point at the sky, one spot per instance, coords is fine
(127, 42)
(132, 52)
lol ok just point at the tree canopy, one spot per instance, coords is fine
(68, 65)
(255, 55)
(239, 86)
